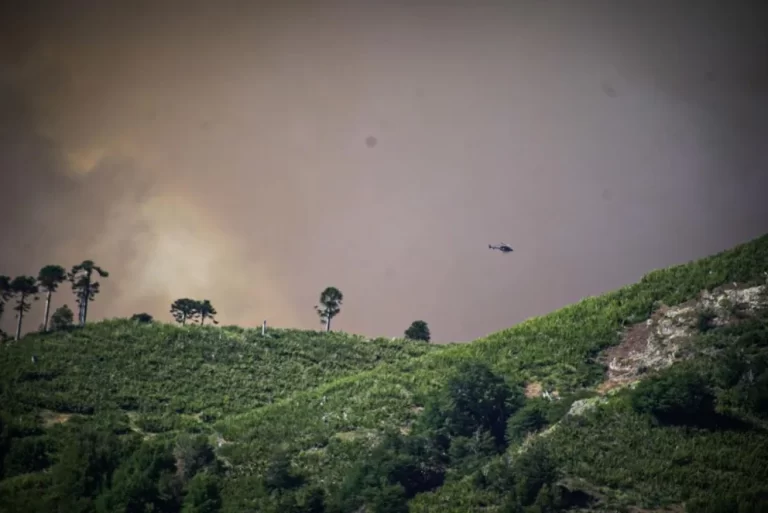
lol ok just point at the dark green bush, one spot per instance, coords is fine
(30, 454)
(280, 475)
(676, 396)
(533, 470)
(474, 399)
(203, 494)
(704, 320)
(753, 501)
(531, 418)
(466, 454)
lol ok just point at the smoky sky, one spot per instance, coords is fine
(253, 153)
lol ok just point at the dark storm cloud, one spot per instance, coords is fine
(254, 152)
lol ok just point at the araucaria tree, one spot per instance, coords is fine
(206, 310)
(84, 287)
(184, 310)
(418, 331)
(49, 278)
(331, 299)
(24, 289)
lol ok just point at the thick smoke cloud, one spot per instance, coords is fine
(254, 153)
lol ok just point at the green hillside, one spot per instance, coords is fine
(162, 369)
(120, 416)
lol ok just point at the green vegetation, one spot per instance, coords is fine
(143, 318)
(84, 286)
(62, 318)
(5, 295)
(131, 416)
(418, 330)
(207, 311)
(186, 309)
(331, 299)
(24, 289)
(49, 279)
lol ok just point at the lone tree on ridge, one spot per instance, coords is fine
(184, 310)
(331, 299)
(418, 331)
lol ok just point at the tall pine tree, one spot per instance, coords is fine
(84, 287)
(24, 289)
(49, 278)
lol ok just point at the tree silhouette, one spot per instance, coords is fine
(62, 318)
(331, 299)
(418, 331)
(23, 288)
(185, 309)
(49, 278)
(5, 293)
(206, 309)
(143, 318)
(84, 287)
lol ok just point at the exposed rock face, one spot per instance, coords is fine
(584, 405)
(663, 339)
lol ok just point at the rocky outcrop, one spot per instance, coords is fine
(665, 337)
(584, 405)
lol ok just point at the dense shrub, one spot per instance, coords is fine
(677, 396)
(142, 318)
(531, 418)
(203, 494)
(280, 475)
(30, 454)
(705, 320)
(752, 501)
(397, 469)
(533, 470)
(467, 453)
(474, 399)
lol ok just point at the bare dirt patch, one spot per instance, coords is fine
(533, 389)
(51, 418)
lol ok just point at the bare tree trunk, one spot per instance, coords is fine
(86, 296)
(183, 319)
(21, 316)
(202, 320)
(47, 311)
(263, 328)
(328, 324)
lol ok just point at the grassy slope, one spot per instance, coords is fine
(557, 350)
(163, 369)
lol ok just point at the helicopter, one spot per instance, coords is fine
(503, 247)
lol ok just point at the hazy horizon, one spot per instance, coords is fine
(253, 153)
